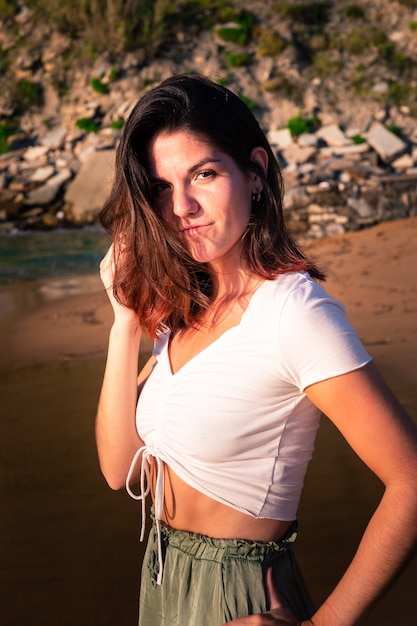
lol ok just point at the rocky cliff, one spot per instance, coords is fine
(333, 84)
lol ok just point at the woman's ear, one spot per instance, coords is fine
(260, 155)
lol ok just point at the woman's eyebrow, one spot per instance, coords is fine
(202, 163)
(191, 170)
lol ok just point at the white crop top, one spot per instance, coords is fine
(234, 422)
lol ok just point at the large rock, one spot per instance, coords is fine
(54, 138)
(387, 145)
(87, 192)
(333, 136)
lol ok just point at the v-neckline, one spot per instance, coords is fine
(215, 341)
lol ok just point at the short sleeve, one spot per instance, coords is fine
(316, 340)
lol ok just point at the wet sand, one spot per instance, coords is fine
(69, 551)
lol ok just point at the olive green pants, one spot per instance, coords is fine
(207, 582)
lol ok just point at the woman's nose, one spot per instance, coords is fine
(184, 203)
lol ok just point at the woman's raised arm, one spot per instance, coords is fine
(116, 435)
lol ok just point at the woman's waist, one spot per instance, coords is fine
(186, 508)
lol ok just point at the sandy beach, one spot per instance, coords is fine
(70, 552)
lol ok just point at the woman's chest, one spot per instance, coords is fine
(219, 404)
(186, 345)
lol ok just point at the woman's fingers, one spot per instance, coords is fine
(273, 597)
(107, 268)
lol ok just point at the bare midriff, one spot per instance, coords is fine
(186, 508)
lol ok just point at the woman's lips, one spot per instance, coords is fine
(193, 231)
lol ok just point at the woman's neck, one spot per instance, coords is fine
(232, 293)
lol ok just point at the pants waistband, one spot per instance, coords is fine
(213, 549)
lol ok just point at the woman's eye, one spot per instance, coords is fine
(206, 174)
(159, 188)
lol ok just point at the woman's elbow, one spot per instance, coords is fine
(115, 484)
(115, 478)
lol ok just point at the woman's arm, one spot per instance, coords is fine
(384, 437)
(116, 435)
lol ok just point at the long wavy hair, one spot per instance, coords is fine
(154, 272)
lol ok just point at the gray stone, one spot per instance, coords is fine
(361, 207)
(403, 163)
(54, 138)
(387, 145)
(307, 140)
(60, 178)
(381, 87)
(296, 198)
(264, 69)
(280, 139)
(315, 231)
(42, 174)
(85, 195)
(296, 155)
(35, 152)
(31, 165)
(359, 148)
(334, 229)
(333, 136)
(42, 196)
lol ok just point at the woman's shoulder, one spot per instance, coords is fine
(296, 297)
(314, 337)
(297, 284)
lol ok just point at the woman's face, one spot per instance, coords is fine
(201, 192)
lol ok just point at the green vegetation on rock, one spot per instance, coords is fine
(237, 60)
(5, 132)
(299, 124)
(99, 86)
(237, 32)
(26, 94)
(117, 124)
(317, 48)
(87, 124)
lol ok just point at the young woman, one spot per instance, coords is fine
(249, 350)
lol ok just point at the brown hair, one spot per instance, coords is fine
(158, 278)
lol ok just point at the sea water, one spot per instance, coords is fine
(40, 266)
(44, 254)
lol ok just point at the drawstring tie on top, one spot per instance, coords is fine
(145, 487)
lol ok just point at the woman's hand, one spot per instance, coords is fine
(107, 267)
(278, 614)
